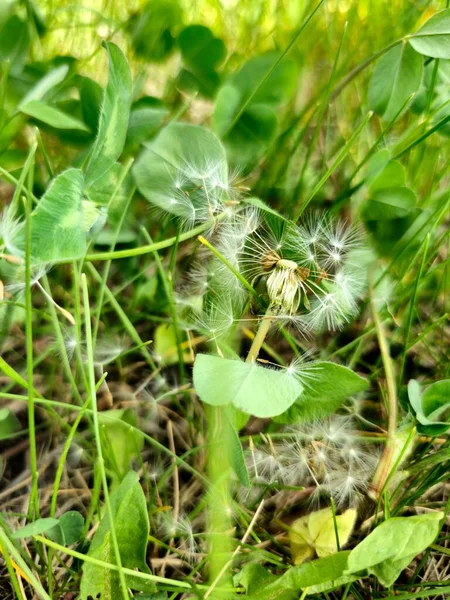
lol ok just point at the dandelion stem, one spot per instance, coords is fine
(261, 334)
(385, 464)
(237, 550)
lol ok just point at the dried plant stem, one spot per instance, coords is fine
(261, 334)
(385, 464)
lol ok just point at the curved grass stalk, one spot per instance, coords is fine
(150, 248)
(93, 402)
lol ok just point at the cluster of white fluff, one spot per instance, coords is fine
(314, 273)
(324, 457)
(196, 195)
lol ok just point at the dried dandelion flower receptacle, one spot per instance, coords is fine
(284, 283)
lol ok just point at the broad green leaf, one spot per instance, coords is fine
(432, 407)
(436, 400)
(397, 75)
(68, 529)
(317, 575)
(6, 9)
(255, 128)
(227, 105)
(235, 451)
(51, 116)
(203, 82)
(255, 579)
(393, 545)
(153, 29)
(313, 577)
(36, 528)
(145, 122)
(200, 49)
(377, 163)
(113, 124)
(57, 223)
(279, 86)
(329, 386)
(14, 42)
(129, 513)
(45, 84)
(249, 387)
(389, 203)
(165, 345)
(183, 171)
(111, 192)
(315, 534)
(94, 217)
(91, 94)
(9, 423)
(433, 38)
(393, 174)
(71, 524)
(252, 133)
(123, 443)
(415, 395)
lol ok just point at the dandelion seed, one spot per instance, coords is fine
(182, 529)
(155, 470)
(70, 343)
(346, 487)
(303, 369)
(265, 467)
(107, 350)
(37, 274)
(296, 460)
(75, 455)
(335, 430)
(216, 319)
(10, 229)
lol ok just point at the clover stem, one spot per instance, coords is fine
(261, 334)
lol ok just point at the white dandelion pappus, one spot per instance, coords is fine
(10, 228)
(312, 272)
